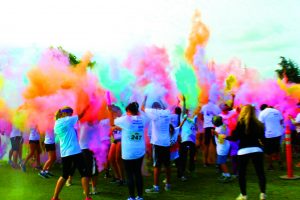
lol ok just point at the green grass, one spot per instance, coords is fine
(16, 185)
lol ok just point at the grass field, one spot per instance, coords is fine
(17, 185)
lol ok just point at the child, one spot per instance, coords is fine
(223, 147)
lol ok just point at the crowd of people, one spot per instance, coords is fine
(222, 131)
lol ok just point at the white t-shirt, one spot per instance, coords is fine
(64, 129)
(133, 141)
(87, 134)
(34, 134)
(160, 126)
(49, 137)
(104, 129)
(209, 110)
(189, 130)
(297, 120)
(174, 137)
(271, 118)
(15, 132)
(223, 145)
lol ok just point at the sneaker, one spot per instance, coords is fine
(262, 196)
(139, 198)
(131, 198)
(167, 187)
(49, 174)
(152, 190)
(43, 174)
(68, 183)
(88, 198)
(183, 178)
(241, 197)
(23, 167)
(55, 198)
(94, 191)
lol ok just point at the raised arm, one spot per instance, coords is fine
(144, 104)
(83, 112)
(184, 105)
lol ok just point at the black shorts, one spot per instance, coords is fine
(272, 145)
(117, 141)
(16, 142)
(92, 168)
(50, 147)
(69, 161)
(208, 136)
(161, 155)
(34, 142)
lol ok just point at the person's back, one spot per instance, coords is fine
(209, 110)
(272, 119)
(65, 131)
(160, 121)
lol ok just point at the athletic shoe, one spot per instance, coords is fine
(183, 178)
(94, 192)
(88, 198)
(262, 196)
(152, 190)
(49, 174)
(167, 187)
(131, 198)
(68, 183)
(43, 174)
(139, 198)
(241, 197)
(55, 198)
(23, 167)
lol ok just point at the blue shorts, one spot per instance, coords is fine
(221, 159)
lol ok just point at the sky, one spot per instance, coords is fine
(255, 31)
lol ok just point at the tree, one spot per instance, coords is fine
(289, 69)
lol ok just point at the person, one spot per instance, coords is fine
(88, 134)
(222, 146)
(208, 111)
(114, 154)
(250, 132)
(229, 118)
(273, 121)
(16, 139)
(188, 141)
(133, 147)
(296, 122)
(160, 119)
(70, 149)
(51, 151)
(34, 147)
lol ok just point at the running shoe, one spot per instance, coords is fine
(152, 190)
(262, 196)
(43, 174)
(241, 197)
(23, 167)
(139, 198)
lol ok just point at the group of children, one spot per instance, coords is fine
(173, 137)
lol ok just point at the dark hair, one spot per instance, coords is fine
(66, 109)
(263, 106)
(133, 108)
(178, 110)
(298, 104)
(156, 105)
(217, 121)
